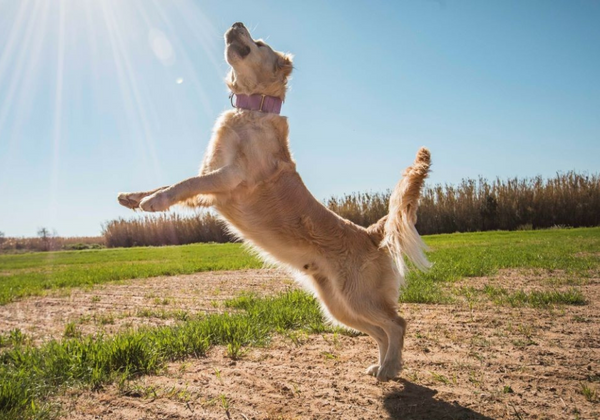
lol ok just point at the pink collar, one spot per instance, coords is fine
(257, 102)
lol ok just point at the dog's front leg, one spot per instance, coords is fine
(132, 200)
(221, 180)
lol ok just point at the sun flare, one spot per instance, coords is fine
(68, 55)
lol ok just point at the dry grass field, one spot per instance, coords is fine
(474, 205)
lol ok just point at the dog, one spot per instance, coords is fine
(248, 175)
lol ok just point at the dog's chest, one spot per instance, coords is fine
(221, 152)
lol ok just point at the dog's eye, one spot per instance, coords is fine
(259, 43)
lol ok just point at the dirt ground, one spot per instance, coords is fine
(472, 359)
(154, 301)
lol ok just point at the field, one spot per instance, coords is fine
(504, 326)
(33, 273)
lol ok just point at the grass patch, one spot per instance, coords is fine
(588, 392)
(178, 314)
(71, 330)
(462, 255)
(14, 337)
(105, 319)
(35, 273)
(536, 299)
(454, 256)
(440, 378)
(28, 375)
(421, 289)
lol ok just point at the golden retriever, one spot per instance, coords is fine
(248, 175)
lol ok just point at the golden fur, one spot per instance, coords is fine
(248, 175)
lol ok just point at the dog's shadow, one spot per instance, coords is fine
(417, 402)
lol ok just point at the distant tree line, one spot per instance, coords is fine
(47, 240)
(568, 199)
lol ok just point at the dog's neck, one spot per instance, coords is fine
(257, 102)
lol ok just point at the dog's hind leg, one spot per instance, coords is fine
(349, 318)
(382, 341)
(389, 336)
(395, 328)
(377, 333)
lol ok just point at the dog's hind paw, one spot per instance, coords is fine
(372, 370)
(389, 371)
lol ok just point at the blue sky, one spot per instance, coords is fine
(102, 96)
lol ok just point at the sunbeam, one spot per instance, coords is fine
(187, 63)
(39, 69)
(58, 106)
(11, 42)
(139, 110)
(204, 32)
(23, 54)
(23, 81)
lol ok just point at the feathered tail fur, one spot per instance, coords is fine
(397, 229)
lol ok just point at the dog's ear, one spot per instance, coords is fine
(284, 64)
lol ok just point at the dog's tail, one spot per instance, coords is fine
(397, 231)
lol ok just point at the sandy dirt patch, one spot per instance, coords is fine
(468, 360)
(459, 364)
(154, 301)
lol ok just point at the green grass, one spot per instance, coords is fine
(454, 256)
(588, 392)
(28, 375)
(13, 337)
(479, 254)
(33, 274)
(536, 298)
(178, 314)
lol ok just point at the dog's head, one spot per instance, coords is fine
(255, 66)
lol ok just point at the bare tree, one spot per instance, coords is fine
(46, 237)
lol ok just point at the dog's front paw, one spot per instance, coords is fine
(129, 200)
(159, 201)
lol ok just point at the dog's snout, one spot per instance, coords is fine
(236, 31)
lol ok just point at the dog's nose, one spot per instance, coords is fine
(237, 25)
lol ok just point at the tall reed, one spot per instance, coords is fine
(568, 199)
(165, 229)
